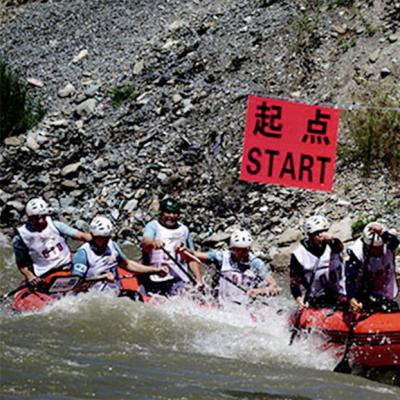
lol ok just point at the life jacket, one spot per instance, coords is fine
(48, 249)
(99, 264)
(329, 277)
(242, 275)
(170, 237)
(380, 272)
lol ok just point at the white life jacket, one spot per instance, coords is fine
(101, 263)
(170, 237)
(246, 279)
(329, 271)
(381, 271)
(48, 249)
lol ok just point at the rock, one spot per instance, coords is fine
(32, 143)
(86, 108)
(48, 195)
(100, 163)
(71, 169)
(140, 193)
(280, 260)
(77, 193)
(13, 141)
(43, 179)
(138, 68)
(161, 176)
(154, 205)
(143, 99)
(176, 25)
(187, 106)
(182, 136)
(385, 72)
(79, 124)
(4, 196)
(67, 201)
(342, 229)
(70, 211)
(67, 91)
(69, 184)
(170, 43)
(217, 237)
(92, 90)
(131, 205)
(35, 82)
(343, 203)
(341, 29)
(289, 236)
(82, 54)
(115, 214)
(16, 205)
(374, 56)
(176, 98)
(59, 123)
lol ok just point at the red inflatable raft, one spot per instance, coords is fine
(58, 284)
(375, 340)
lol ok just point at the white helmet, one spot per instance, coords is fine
(316, 223)
(241, 239)
(101, 226)
(368, 235)
(37, 207)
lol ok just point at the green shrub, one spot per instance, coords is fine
(362, 220)
(306, 30)
(19, 110)
(375, 132)
(122, 94)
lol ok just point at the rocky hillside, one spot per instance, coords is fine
(189, 67)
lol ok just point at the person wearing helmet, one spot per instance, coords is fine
(40, 245)
(239, 269)
(371, 270)
(97, 260)
(317, 268)
(161, 238)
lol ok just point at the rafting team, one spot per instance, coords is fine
(320, 276)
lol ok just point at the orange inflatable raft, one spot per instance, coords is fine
(375, 341)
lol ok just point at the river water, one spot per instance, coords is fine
(95, 346)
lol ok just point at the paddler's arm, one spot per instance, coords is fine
(391, 240)
(31, 278)
(106, 276)
(23, 260)
(134, 266)
(186, 254)
(271, 288)
(148, 244)
(72, 233)
(149, 241)
(354, 277)
(193, 265)
(297, 280)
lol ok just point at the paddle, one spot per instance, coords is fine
(296, 327)
(9, 294)
(218, 273)
(175, 261)
(344, 366)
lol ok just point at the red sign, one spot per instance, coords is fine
(290, 144)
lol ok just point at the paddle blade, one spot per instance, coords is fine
(343, 367)
(293, 335)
